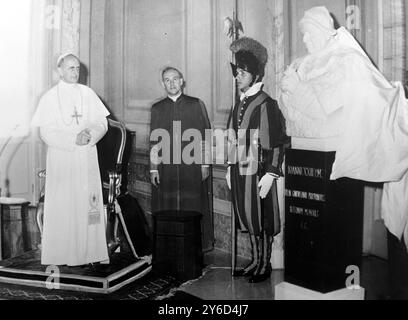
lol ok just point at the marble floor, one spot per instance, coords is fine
(217, 283)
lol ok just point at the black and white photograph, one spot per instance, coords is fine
(204, 158)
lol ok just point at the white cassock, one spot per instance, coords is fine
(74, 221)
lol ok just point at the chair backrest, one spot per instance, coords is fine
(113, 153)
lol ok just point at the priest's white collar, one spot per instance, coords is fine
(174, 98)
(252, 91)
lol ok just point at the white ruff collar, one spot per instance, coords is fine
(252, 91)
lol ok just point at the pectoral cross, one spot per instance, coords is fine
(76, 115)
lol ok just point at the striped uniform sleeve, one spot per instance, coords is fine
(273, 137)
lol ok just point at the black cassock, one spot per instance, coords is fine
(181, 186)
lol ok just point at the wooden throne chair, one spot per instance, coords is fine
(113, 157)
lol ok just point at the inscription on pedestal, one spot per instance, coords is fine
(305, 172)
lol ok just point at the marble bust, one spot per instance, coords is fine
(336, 98)
(312, 87)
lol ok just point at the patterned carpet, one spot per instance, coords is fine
(152, 286)
(147, 288)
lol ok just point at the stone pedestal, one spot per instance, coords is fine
(323, 223)
(14, 231)
(177, 248)
(287, 291)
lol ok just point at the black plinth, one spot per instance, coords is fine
(177, 244)
(324, 222)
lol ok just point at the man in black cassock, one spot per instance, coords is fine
(257, 124)
(177, 183)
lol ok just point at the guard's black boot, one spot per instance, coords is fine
(255, 278)
(264, 268)
(248, 270)
(245, 272)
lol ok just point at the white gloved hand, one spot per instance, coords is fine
(155, 178)
(228, 177)
(265, 184)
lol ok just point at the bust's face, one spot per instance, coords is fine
(314, 39)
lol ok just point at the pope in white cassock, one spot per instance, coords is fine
(72, 119)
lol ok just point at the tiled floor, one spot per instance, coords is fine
(217, 283)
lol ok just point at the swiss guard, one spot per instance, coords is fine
(256, 143)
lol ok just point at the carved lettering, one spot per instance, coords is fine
(305, 195)
(304, 211)
(306, 172)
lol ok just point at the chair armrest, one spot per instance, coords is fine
(115, 180)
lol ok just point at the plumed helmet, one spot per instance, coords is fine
(250, 55)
